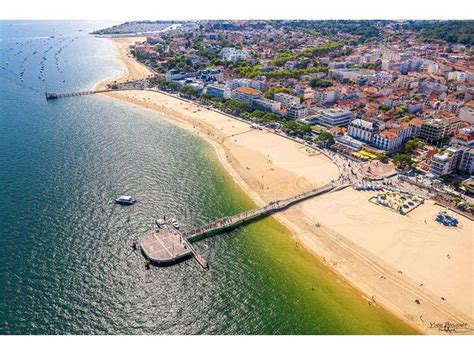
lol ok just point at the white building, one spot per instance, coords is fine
(334, 117)
(326, 96)
(362, 130)
(466, 113)
(232, 54)
(267, 105)
(216, 90)
(445, 163)
(287, 100)
(295, 112)
(254, 84)
(387, 140)
(245, 94)
(460, 76)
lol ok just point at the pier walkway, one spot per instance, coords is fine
(52, 95)
(167, 245)
(126, 86)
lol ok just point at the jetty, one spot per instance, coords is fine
(53, 95)
(125, 86)
(167, 245)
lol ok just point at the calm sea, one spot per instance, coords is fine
(67, 265)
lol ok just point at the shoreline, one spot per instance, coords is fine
(250, 155)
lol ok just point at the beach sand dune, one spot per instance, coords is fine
(422, 272)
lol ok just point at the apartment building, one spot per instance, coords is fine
(334, 117)
(295, 112)
(435, 130)
(445, 163)
(216, 90)
(245, 94)
(388, 140)
(286, 100)
(362, 130)
(326, 96)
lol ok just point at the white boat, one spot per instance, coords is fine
(160, 223)
(174, 222)
(125, 200)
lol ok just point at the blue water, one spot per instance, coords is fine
(67, 266)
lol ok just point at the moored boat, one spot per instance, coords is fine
(125, 200)
(174, 222)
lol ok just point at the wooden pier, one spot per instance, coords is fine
(126, 86)
(53, 95)
(167, 245)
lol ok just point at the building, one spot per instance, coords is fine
(466, 113)
(466, 163)
(207, 75)
(362, 130)
(334, 117)
(388, 140)
(267, 105)
(295, 112)
(435, 130)
(232, 54)
(326, 96)
(174, 74)
(245, 94)
(306, 92)
(415, 126)
(216, 90)
(445, 163)
(287, 100)
(464, 137)
(254, 84)
(460, 76)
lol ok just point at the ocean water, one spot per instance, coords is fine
(67, 263)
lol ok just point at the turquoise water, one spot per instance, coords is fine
(67, 265)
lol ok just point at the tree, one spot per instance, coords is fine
(270, 93)
(325, 136)
(270, 116)
(320, 83)
(402, 161)
(412, 145)
(236, 106)
(257, 113)
(188, 91)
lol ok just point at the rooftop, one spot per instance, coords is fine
(247, 90)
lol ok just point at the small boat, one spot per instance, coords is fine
(160, 223)
(125, 200)
(174, 222)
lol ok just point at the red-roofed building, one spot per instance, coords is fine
(388, 140)
(246, 94)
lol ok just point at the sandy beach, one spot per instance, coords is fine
(410, 265)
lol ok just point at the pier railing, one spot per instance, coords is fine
(275, 206)
(53, 95)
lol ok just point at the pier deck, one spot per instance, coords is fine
(167, 245)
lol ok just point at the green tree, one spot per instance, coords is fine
(402, 160)
(320, 83)
(325, 136)
(270, 93)
(412, 145)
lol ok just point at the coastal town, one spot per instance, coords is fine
(300, 173)
(382, 109)
(375, 93)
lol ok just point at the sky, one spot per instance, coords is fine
(122, 10)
